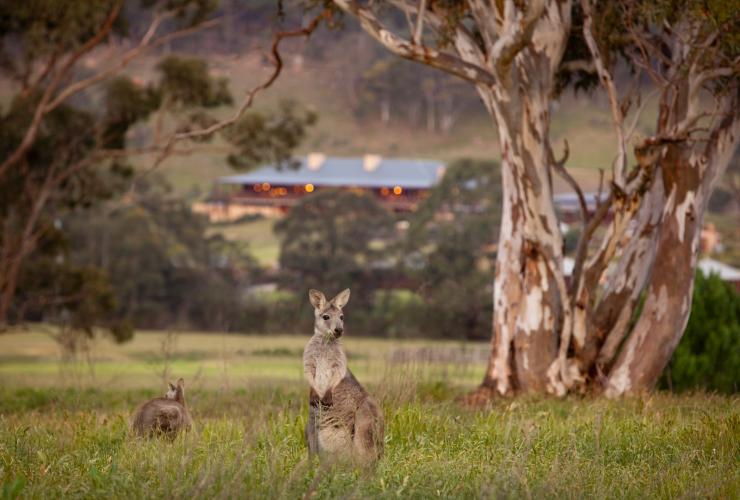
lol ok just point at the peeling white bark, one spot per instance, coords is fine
(691, 169)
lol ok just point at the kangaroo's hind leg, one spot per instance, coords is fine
(369, 433)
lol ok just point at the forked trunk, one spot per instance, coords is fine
(688, 176)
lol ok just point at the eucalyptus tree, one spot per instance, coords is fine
(64, 135)
(690, 50)
(549, 335)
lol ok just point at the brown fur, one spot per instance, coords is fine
(166, 416)
(343, 421)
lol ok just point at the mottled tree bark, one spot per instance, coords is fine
(530, 299)
(688, 174)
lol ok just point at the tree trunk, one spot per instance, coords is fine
(607, 320)
(688, 176)
(385, 110)
(529, 289)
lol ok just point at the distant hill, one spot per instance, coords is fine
(583, 121)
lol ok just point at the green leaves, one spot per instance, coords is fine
(187, 82)
(327, 242)
(126, 103)
(453, 232)
(259, 137)
(46, 27)
(165, 266)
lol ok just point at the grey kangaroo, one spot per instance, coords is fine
(343, 421)
(164, 416)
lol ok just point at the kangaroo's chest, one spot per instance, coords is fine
(330, 370)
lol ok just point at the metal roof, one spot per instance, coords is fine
(725, 272)
(333, 172)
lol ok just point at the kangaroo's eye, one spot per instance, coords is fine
(326, 317)
(341, 317)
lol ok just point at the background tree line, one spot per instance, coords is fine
(67, 138)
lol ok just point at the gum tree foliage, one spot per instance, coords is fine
(167, 270)
(333, 240)
(54, 178)
(549, 335)
(64, 136)
(269, 138)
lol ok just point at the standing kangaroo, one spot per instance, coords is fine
(343, 421)
(164, 416)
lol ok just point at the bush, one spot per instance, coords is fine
(708, 356)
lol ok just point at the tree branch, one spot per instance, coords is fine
(48, 68)
(579, 65)
(403, 48)
(465, 43)
(638, 113)
(420, 22)
(517, 33)
(620, 163)
(32, 130)
(166, 150)
(559, 166)
(144, 45)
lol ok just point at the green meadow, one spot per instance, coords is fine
(64, 427)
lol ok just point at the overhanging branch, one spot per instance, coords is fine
(167, 149)
(518, 29)
(420, 53)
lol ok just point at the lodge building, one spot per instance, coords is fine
(399, 184)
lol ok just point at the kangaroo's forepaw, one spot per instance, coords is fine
(313, 399)
(327, 399)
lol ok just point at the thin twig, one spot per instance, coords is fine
(419, 22)
(559, 166)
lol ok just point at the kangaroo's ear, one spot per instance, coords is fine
(181, 383)
(317, 299)
(341, 299)
(172, 387)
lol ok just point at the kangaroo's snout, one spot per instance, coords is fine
(338, 331)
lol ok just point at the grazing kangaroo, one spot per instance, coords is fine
(343, 421)
(164, 416)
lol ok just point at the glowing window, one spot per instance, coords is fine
(397, 190)
(309, 188)
(265, 186)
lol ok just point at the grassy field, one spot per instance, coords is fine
(64, 427)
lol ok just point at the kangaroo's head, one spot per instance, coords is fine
(329, 318)
(176, 392)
